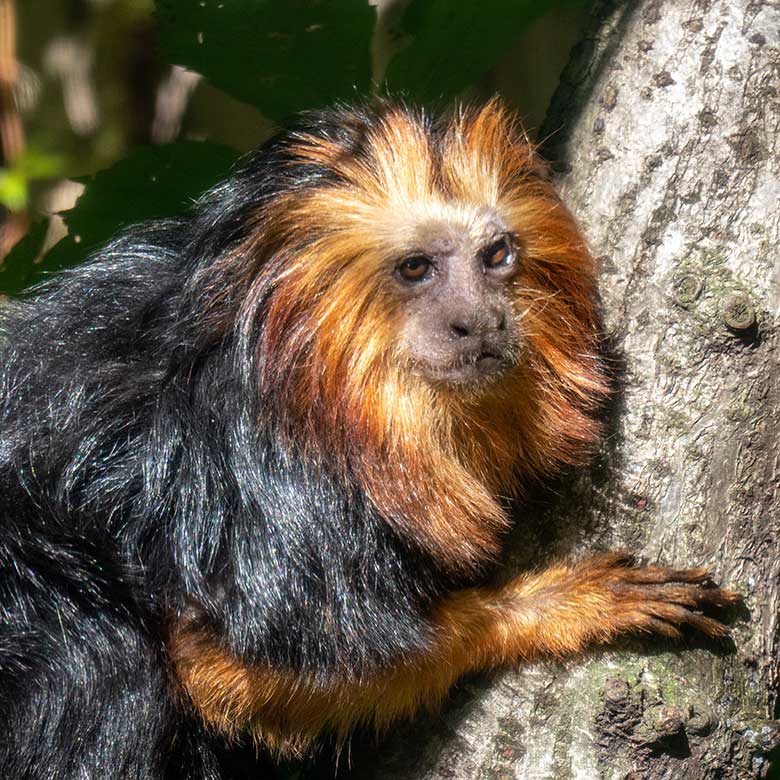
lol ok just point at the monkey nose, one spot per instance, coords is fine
(477, 324)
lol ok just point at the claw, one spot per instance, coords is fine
(689, 595)
(614, 559)
(662, 600)
(660, 574)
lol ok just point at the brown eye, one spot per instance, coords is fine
(414, 269)
(498, 255)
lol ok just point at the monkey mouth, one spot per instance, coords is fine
(472, 369)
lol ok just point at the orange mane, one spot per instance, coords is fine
(435, 463)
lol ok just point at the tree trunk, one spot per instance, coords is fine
(667, 120)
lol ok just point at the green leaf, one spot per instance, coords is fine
(151, 182)
(280, 55)
(13, 189)
(447, 45)
(37, 164)
(15, 179)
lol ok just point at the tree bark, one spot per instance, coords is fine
(667, 120)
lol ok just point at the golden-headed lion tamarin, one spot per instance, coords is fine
(254, 461)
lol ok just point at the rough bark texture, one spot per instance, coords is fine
(668, 121)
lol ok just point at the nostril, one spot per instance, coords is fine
(461, 331)
(501, 321)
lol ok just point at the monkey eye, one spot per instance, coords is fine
(415, 269)
(499, 254)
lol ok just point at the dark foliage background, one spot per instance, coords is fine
(115, 111)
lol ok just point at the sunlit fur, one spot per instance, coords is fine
(231, 503)
(557, 612)
(435, 461)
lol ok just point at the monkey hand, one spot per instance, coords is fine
(565, 608)
(657, 599)
(569, 606)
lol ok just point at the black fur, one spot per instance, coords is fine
(141, 477)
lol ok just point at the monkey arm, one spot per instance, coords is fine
(556, 612)
(569, 606)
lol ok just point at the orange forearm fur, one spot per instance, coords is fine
(556, 613)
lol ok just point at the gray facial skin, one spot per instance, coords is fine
(460, 326)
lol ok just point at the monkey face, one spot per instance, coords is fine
(417, 277)
(419, 306)
(457, 292)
